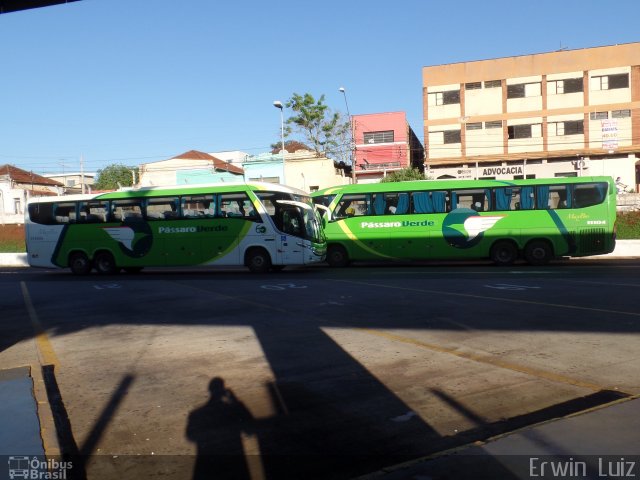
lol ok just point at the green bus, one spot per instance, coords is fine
(537, 219)
(261, 225)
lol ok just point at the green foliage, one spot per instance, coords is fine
(404, 175)
(628, 225)
(115, 175)
(322, 129)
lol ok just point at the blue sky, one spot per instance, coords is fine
(133, 81)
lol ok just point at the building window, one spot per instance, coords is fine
(493, 124)
(610, 82)
(473, 86)
(524, 131)
(452, 136)
(522, 90)
(379, 137)
(599, 115)
(567, 128)
(449, 97)
(493, 84)
(474, 126)
(568, 85)
(621, 114)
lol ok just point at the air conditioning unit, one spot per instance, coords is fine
(581, 164)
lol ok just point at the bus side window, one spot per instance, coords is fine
(354, 205)
(589, 194)
(41, 213)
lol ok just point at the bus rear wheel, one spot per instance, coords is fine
(105, 264)
(337, 256)
(504, 253)
(258, 260)
(79, 263)
(538, 252)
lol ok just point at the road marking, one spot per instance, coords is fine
(46, 353)
(508, 286)
(500, 299)
(487, 360)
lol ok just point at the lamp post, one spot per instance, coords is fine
(278, 104)
(351, 142)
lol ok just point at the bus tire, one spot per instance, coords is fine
(79, 263)
(538, 252)
(337, 256)
(105, 264)
(257, 260)
(504, 252)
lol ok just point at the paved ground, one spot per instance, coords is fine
(315, 373)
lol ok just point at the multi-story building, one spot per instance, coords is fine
(384, 142)
(564, 113)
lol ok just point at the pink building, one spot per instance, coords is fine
(384, 142)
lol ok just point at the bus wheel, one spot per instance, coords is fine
(258, 260)
(105, 264)
(79, 263)
(504, 253)
(337, 256)
(538, 252)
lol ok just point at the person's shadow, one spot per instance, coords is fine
(217, 427)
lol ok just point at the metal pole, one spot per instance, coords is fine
(278, 104)
(351, 141)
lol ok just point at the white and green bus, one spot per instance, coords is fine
(538, 220)
(261, 225)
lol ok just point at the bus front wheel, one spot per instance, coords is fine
(105, 264)
(79, 263)
(337, 256)
(258, 260)
(504, 253)
(538, 252)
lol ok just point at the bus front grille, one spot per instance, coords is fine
(592, 240)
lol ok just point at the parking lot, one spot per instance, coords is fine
(314, 372)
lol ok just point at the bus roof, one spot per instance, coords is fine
(451, 184)
(173, 190)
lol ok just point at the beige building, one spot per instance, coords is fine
(564, 113)
(191, 167)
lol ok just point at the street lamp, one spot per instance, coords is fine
(278, 104)
(351, 143)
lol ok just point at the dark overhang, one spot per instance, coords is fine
(7, 6)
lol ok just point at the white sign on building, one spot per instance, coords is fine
(609, 134)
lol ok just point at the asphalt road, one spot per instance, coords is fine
(317, 372)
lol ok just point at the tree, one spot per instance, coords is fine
(323, 129)
(404, 175)
(114, 176)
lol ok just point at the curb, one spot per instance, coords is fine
(624, 249)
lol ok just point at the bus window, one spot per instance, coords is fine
(198, 206)
(353, 205)
(397, 203)
(162, 208)
(589, 194)
(238, 205)
(94, 212)
(129, 210)
(477, 200)
(429, 202)
(64, 212)
(41, 213)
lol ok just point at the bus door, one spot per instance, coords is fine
(289, 220)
